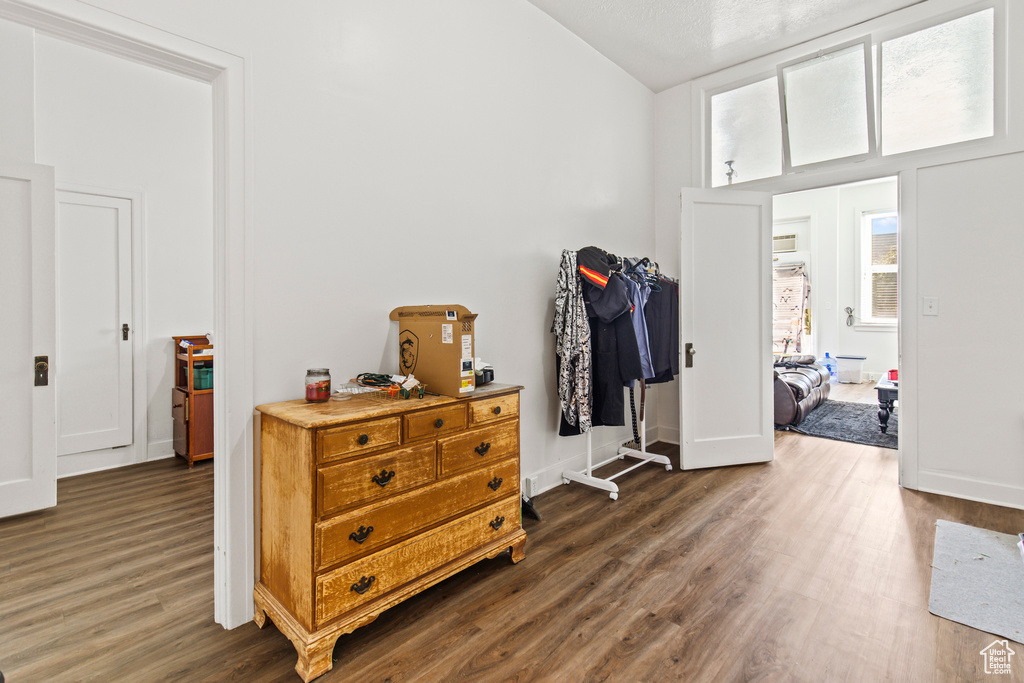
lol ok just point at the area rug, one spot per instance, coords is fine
(978, 579)
(853, 422)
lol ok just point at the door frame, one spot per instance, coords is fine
(140, 384)
(226, 73)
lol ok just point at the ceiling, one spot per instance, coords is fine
(663, 43)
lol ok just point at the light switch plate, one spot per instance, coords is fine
(929, 305)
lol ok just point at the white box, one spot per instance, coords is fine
(850, 369)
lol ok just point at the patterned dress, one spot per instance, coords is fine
(572, 345)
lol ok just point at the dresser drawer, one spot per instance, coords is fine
(363, 437)
(478, 446)
(366, 529)
(490, 409)
(433, 423)
(374, 477)
(353, 585)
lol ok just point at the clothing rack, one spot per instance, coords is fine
(587, 477)
(642, 269)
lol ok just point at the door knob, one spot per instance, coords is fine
(124, 332)
(42, 368)
(690, 353)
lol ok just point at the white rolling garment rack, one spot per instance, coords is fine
(607, 484)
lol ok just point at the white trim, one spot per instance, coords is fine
(226, 73)
(970, 489)
(906, 338)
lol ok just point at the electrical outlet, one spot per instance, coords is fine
(530, 487)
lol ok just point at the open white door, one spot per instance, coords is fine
(28, 462)
(725, 400)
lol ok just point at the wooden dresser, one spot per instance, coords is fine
(365, 503)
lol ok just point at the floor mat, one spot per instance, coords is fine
(853, 422)
(978, 579)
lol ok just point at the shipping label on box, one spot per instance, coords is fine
(435, 343)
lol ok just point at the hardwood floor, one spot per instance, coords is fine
(815, 567)
(854, 393)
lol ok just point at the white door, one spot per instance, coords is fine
(725, 400)
(28, 464)
(94, 306)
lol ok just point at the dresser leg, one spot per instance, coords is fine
(316, 660)
(260, 609)
(518, 550)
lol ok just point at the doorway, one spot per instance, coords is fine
(842, 243)
(132, 149)
(232, 258)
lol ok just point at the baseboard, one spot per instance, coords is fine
(74, 464)
(971, 489)
(158, 450)
(668, 435)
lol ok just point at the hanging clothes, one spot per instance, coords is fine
(639, 292)
(615, 355)
(662, 315)
(572, 345)
(600, 354)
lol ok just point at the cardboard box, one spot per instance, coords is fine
(435, 343)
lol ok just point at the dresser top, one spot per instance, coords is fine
(361, 407)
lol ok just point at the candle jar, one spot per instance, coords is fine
(318, 385)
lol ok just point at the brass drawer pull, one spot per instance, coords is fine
(497, 410)
(361, 535)
(383, 478)
(495, 483)
(363, 439)
(496, 524)
(363, 585)
(439, 423)
(483, 448)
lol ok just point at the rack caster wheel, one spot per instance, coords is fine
(613, 496)
(668, 468)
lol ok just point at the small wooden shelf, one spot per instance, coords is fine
(192, 407)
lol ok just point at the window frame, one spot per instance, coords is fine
(870, 108)
(707, 175)
(865, 269)
(999, 76)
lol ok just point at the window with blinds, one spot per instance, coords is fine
(879, 267)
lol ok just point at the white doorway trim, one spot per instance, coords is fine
(232, 236)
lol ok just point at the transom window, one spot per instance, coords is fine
(934, 86)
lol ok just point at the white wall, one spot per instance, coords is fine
(832, 241)
(108, 123)
(411, 153)
(969, 251)
(672, 153)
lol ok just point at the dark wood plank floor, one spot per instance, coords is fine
(815, 567)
